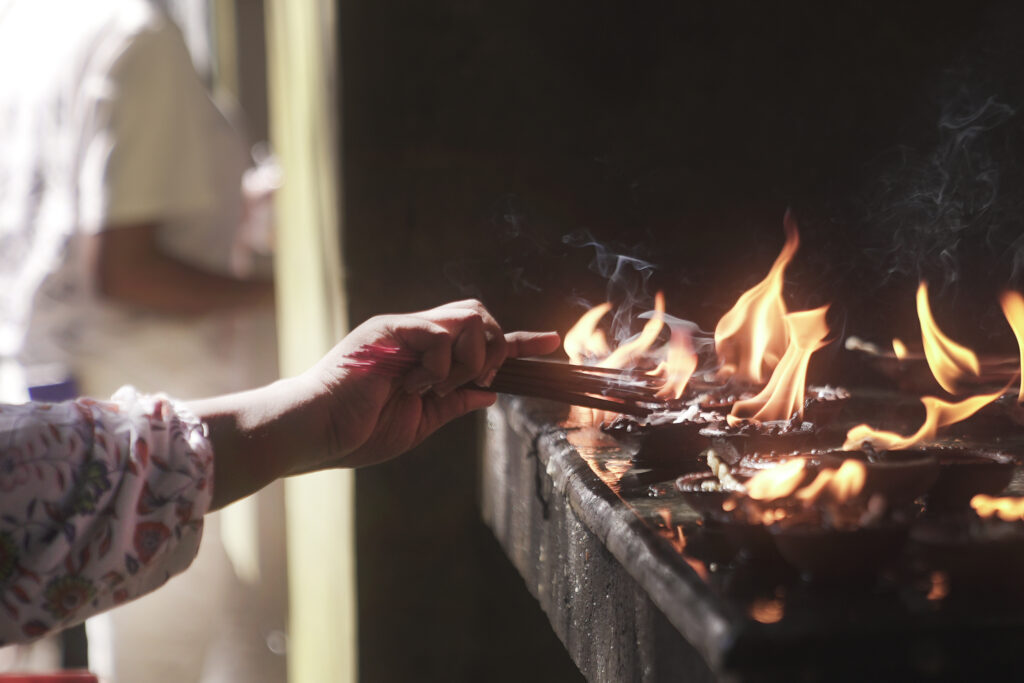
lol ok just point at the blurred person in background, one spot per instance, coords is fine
(123, 228)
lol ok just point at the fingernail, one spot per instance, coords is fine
(422, 391)
(488, 378)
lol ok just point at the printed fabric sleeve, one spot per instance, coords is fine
(100, 502)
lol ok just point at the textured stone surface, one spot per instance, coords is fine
(608, 623)
(628, 607)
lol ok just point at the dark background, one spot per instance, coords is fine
(483, 140)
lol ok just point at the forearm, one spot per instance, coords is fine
(259, 436)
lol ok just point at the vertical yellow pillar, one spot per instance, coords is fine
(301, 53)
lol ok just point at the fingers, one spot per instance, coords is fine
(433, 342)
(439, 410)
(480, 346)
(457, 343)
(468, 354)
(531, 343)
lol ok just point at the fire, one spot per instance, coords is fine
(1007, 509)
(777, 482)
(948, 360)
(628, 353)
(767, 610)
(938, 413)
(678, 367)
(848, 480)
(842, 484)
(1013, 309)
(899, 348)
(584, 340)
(783, 396)
(752, 336)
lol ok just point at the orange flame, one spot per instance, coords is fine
(784, 394)
(948, 360)
(678, 367)
(628, 353)
(810, 493)
(767, 610)
(848, 480)
(1007, 509)
(584, 340)
(753, 335)
(842, 484)
(939, 586)
(777, 482)
(899, 348)
(938, 413)
(1013, 309)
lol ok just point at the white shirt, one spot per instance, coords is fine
(103, 123)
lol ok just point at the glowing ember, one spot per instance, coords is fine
(777, 482)
(1013, 308)
(899, 348)
(939, 586)
(938, 413)
(783, 396)
(1007, 509)
(767, 611)
(752, 337)
(948, 360)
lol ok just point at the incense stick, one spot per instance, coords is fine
(631, 392)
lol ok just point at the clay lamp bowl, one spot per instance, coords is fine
(978, 555)
(964, 473)
(768, 438)
(705, 493)
(670, 440)
(823, 405)
(823, 554)
(900, 477)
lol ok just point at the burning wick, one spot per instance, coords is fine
(948, 360)
(1013, 309)
(783, 396)
(899, 348)
(938, 413)
(753, 335)
(1007, 509)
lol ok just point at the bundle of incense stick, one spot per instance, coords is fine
(631, 392)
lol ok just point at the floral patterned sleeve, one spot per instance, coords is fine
(100, 502)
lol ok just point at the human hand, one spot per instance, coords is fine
(371, 416)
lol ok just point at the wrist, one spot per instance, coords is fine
(257, 436)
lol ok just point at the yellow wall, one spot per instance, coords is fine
(301, 53)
